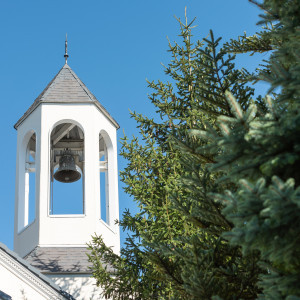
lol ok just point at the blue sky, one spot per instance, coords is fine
(113, 46)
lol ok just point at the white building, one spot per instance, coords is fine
(65, 125)
(20, 280)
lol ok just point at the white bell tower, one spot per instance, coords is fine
(65, 119)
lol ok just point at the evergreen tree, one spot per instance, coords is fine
(176, 249)
(259, 150)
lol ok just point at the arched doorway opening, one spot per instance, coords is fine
(67, 170)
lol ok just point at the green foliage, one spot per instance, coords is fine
(265, 211)
(216, 175)
(258, 43)
(175, 249)
(260, 151)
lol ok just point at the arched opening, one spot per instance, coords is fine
(104, 179)
(30, 181)
(67, 170)
(26, 198)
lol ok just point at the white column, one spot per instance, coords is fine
(26, 200)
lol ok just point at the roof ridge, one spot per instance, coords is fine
(83, 86)
(48, 86)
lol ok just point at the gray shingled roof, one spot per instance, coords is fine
(66, 87)
(35, 271)
(60, 260)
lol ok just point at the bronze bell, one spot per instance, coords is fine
(67, 171)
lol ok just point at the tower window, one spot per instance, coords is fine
(67, 170)
(30, 170)
(27, 193)
(104, 180)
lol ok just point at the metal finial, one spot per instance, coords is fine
(66, 50)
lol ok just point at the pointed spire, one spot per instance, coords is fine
(66, 51)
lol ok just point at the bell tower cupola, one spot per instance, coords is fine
(66, 176)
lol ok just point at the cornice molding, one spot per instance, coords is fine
(28, 277)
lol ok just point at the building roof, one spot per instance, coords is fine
(35, 271)
(60, 260)
(4, 296)
(66, 87)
